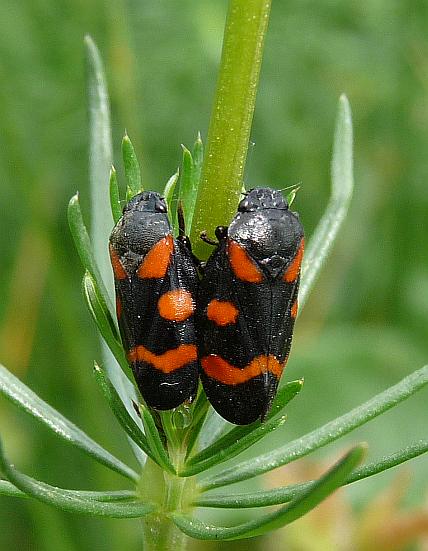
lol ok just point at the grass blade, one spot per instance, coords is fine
(324, 435)
(342, 183)
(28, 401)
(301, 505)
(72, 501)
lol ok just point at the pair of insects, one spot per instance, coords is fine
(232, 328)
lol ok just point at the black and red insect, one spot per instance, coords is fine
(155, 281)
(247, 305)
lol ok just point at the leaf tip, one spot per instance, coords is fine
(358, 452)
(97, 368)
(88, 40)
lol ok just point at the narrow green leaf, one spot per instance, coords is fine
(234, 447)
(27, 400)
(116, 207)
(132, 167)
(301, 505)
(100, 161)
(324, 435)
(84, 248)
(241, 433)
(100, 312)
(199, 411)
(214, 428)
(168, 193)
(8, 489)
(72, 501)
(107, 497)
(281, 495)
(342, 183)
(186, 194)
(154, 440)
(389, 461)
(103, 320)
(81, 238)
(120, 411)
(190, 175)
(198, 158)
(172, 432)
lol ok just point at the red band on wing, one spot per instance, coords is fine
(156, 262)
(222, 371)
(118, 269)
(294, 309)
(168, 361)
(243, 267)
(294, 269)
(118, 307)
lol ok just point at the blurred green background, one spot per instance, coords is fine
(365, 325)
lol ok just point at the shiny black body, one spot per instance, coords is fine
(144, 224)
(270, 234)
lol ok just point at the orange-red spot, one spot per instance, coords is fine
(242, 265)
(168, 361)
(294, 309)
(222, 312)
(118, 307)
(118, 269)
(157, 259)
(294, 268)
(222, 371)
(176, 305)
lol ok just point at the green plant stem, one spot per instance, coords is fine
(159, 532)
(231, 118)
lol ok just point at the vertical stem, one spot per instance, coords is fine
(159, 531)
(231, 118)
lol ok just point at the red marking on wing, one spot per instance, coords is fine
(294, 269)
(222, 312)
(222, 371)
(243, 267)
(168, 361)
(176, 305)
(118, 269)
(156, 262)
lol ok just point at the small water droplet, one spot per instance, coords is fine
(181, 417)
